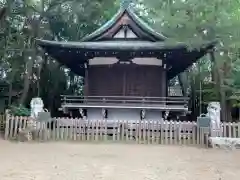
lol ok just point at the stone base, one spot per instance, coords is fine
(24, 135)
(29, 134)
(224, 142)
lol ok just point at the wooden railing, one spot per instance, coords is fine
(125, 100)
(2, 122)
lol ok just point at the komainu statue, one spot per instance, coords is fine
(214, 110)
(32, 129)
(27, 133)
(216, 139)
(36, 107)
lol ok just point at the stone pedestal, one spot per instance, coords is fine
(224, 142)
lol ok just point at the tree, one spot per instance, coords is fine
(199, 20)
(55, 19)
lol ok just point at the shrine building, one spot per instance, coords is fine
(126, 66)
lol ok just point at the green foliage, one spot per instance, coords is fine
(191, 21)
(53, 19)
(198, 20)
(19, 111)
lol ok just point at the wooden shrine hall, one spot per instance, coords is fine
(126, 67)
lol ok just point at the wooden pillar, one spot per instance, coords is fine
(164, 80)
(124, 82)
(86, 79)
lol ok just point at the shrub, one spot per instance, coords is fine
(19, 110)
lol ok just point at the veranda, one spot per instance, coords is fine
(140, 132)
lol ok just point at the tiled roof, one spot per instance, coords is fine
(117, 16)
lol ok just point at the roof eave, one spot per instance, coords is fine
(194, 58)
(110, 45)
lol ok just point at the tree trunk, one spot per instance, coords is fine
(229, 111)
(10, 93)
(183, 81)
(218, 81)
(27, 77)
(30, 54)
(10, 88)
(193, 98)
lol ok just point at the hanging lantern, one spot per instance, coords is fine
(105, 113)
(166, 115)
(142, 114)
(81, 112)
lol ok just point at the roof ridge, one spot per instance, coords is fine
(126, 7)
(125, 4)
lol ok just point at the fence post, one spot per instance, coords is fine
(7, 124)
(203, 136)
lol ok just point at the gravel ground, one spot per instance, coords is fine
(74, 161)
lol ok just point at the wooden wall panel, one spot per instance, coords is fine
(126, 80)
